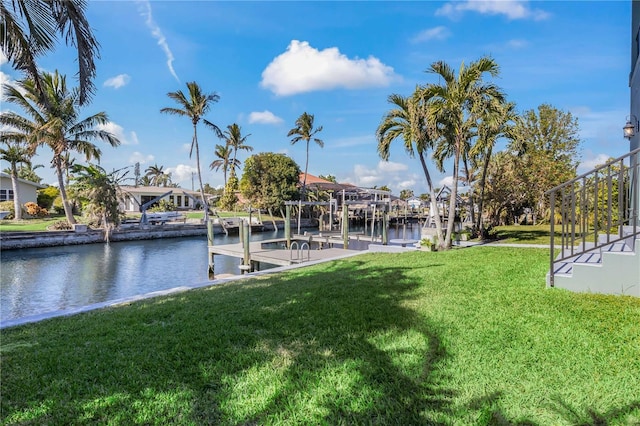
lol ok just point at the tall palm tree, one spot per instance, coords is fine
(157, 175)
(454, 107)
(54, 123)
(195, 107)
(224, 161)
(497, 122)
(31, 29)
(235, 141)
(304, 131)
(15, 154)
(406, 120)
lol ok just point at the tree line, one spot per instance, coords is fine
(457, 120)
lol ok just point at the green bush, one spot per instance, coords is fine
(163, 206)
(8, 206)
(47, 196)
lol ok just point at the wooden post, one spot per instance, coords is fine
(209, 244)
(345, 225)
(287, 226)
(245, 242)
(385, 225)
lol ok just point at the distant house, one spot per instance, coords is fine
(28, 190)
(132, 197)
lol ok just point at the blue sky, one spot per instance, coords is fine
(271, 61)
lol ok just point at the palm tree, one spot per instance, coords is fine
(30, 29)
(195, 107)
(157, 176)
(496, 123)
(407, 121)
(454, 107)
(101, 190)
(235, 140)
(304, 131)
(224, 161)
(15, 154)
(54, 123)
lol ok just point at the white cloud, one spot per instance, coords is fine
(592, 162)
(182, 172)
(3, 58)
(125, 138)
(264, 117)
(303, 68)
(117, 81)
(138, 157)
(407, 184)
(436, 33)
(156, 32)
(391, 167)
(447, 180)
(512, 9)
(397, 176)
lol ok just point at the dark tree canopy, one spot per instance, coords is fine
(270, 179)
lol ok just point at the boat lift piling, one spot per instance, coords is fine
(210, 243)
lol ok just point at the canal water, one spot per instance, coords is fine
(41, 280)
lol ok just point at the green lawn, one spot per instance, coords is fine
(465, 337)
(29, 225)
(523, 234)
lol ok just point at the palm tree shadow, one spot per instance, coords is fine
(591, 417)
(367, 303)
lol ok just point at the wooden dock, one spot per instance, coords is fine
(303, 249)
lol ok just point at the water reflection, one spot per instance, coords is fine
(35, 281)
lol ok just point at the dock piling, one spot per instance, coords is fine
(210, 243)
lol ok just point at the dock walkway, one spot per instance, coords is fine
(304, 249)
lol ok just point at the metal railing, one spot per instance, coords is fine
(595, 210)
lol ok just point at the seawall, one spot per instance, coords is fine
(20, 240)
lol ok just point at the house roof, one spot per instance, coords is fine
(314, 182)
(28, 182)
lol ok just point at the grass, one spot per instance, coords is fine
(523, 234)
(469, 336)
(29, 225)
(33, 225)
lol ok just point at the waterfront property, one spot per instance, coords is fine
(460, 337)
(135, 196)
(28, 190)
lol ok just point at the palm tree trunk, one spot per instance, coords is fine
(471, 209)
(204, 200)
(17, 205)
(304, 187)
(483, 180)
(453, 196)
(68, 211)
(434, 205)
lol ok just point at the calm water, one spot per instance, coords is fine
(36, 281)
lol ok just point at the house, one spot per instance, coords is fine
(133, 197)
(28, 190)
(599, 229)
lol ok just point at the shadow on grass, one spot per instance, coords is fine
(490, 412)
(329, 345)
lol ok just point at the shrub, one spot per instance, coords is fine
(47, 196)
(35, 210)
(61, 225)
(8, 206)
(163, 206)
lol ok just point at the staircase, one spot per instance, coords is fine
(596, 228)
